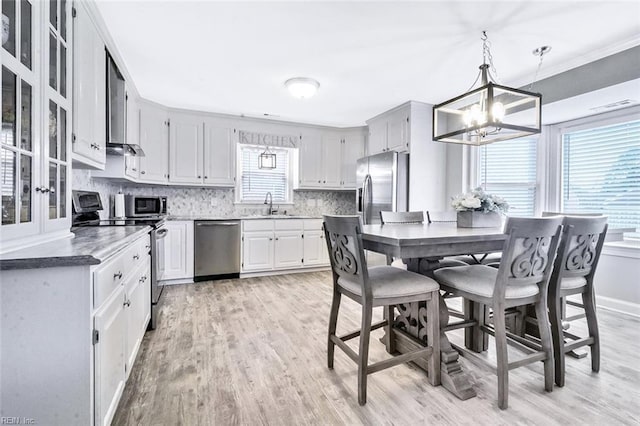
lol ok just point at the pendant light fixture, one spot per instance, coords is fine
(488, 113)
(267, 160)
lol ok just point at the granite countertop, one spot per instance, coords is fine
(90, 246)
(251, 217)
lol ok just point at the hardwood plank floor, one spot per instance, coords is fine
(253, 351)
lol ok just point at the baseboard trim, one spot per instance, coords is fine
(283, 271)
(619, 306)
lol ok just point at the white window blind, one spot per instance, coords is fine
(508, 169)
(256, 182)
(601, 173)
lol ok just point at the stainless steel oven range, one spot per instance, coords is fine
(87, 204)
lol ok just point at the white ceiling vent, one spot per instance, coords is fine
(614, 105)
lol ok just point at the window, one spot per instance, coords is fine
(508, 169)
(254, 183)
(601, 172)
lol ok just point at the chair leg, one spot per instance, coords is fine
(391, 339)
(433, 338)
(333, 321)
(546, 342)
(502, 369)
(363, 354)
(588, 300)
(557, 336)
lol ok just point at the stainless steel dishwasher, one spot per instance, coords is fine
(217, 249)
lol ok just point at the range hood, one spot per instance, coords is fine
(117, 113)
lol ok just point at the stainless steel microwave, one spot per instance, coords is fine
(140, 205)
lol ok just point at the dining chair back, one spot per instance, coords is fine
(387, 217)
(376, 286)
(574, 269)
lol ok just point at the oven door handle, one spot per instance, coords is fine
(161, 233)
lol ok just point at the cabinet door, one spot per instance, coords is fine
(138, 311)
(154, 166)
(313, 247)
(288, 251)
(132, 162)
(185, 149)
(257, 251)
(310, 171)
(110, 323)
(398, 131)
(219, 155)
(352, 150)
(331, 162)
(89, 114)
(377, 137)
(178, 252)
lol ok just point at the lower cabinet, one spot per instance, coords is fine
(178, 250)
(282, 244)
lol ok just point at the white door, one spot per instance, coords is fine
(178, 259)
(310, 174)
(154, 166)
(185, 149)
(377, 137)
(331, 162)
(314, 246)
(219, 155)
(288, 251)
(110, 323)
(138, 311)
(352, 150)
(257, 251)
(398, 137)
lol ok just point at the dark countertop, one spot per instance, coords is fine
(90, 246)
(251, 217)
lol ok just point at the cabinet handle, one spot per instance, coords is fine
(118, 275)
(136, 256)
(134, 169)
(206, 177)
(143, 172)
(199, 177)
(319, 181)
(324, 181)
(143, 278)
(270, 239)
(126, 303)
(276, 238)
(147, 247)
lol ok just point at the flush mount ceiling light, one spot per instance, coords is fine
(302, 87)
(489, 113)
(267, 160)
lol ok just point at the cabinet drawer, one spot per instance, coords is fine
(107, 278)
(313, 224)
(288, 225)
(136, 255)
(258, 225)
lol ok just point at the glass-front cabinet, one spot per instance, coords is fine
(34, 140)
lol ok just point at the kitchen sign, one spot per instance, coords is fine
(265, 139)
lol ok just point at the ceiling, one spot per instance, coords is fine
(233, 57)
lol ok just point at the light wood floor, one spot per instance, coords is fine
(253, 352)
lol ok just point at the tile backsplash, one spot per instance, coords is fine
(219, 202)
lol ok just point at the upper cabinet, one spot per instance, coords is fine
(328, 159)
(89, 97)
(219, 154)
(154, 140)
(393, 130)
(35, 139)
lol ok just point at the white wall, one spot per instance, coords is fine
(617, 280)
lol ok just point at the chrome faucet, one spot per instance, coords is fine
(269, 197)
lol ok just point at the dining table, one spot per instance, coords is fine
(421, 247)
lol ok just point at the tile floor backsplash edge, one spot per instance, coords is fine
(189, 201)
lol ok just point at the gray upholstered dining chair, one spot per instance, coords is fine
(522, 279)
(573, 272)
(407, 218)
(371, 287)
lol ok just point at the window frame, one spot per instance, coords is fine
(292, 157)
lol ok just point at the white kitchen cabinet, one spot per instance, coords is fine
(288, 249)
(110, 327)
(310, 161)
(178, 254)
(138, 311)
(391, 131)
(132, 162)
(186, 143)
(219, 155)
(89, 92)
(154, 140)
(331, 159)
(315, 248)
(257, 251)
(352, 149)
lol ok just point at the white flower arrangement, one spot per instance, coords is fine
(478, 200)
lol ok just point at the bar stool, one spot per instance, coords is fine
(370, 287)
(522, 279)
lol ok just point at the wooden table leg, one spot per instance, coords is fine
(474, 338)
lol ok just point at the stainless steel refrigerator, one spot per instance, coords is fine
(383, 185)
